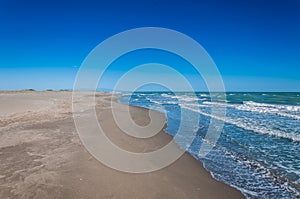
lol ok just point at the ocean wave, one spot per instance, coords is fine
(218, 103)
(289, 111)
(161, 102)
(166, 95)
(259, 165)
(185, 98)
(247, 125)
(266, 173)
(276, 109)
(204, 95)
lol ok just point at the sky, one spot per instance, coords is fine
(255, 44)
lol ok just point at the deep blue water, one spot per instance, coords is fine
(258, 148)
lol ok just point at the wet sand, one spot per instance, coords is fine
(41, 155)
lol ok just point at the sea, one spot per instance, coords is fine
(257, 150)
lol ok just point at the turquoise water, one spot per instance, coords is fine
(258, 149)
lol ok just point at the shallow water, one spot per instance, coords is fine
(258, 149)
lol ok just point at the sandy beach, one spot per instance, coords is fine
(41, 155)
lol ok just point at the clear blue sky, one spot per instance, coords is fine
(255, 44)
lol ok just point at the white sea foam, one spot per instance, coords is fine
(204, 95)
(289, 111)
(217, 103)
(166, 95)
(259, 118)
(154, 101)
(187, 98)
(276, 109)
(183, 98)
(249, 125)
(160, 102)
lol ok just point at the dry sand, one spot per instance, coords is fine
(41, 155)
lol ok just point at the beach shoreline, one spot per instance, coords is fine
(42, 156)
